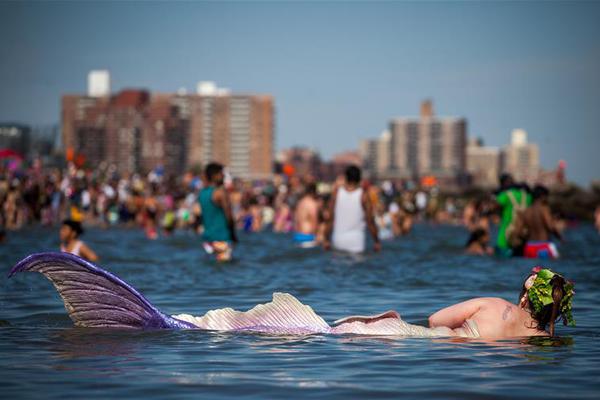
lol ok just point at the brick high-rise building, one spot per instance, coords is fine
(137, 131)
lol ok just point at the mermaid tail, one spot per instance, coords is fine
(285, 314)
(94, 297)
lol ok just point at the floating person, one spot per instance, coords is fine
(219, 225)
(306, 218)
(511, 199)
(539, 226)
(70, 231)
(351, 209)
(96, 298)
(478, 243)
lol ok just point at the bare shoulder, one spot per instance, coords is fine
(493, 302)
(496, 311)
(218, 193)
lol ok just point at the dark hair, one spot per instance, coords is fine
(505, 180)
(352, 174)
(311, 189)
(550, 312)
(476, 235)
(540, 191)
(212, 169)
(74, 225)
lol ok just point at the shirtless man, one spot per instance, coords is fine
(350, 210)
(306, 218)
(540, 226)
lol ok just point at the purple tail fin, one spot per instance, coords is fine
(94, 297)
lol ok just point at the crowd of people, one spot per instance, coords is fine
(336, 215)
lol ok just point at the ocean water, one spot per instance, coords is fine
(43, 356)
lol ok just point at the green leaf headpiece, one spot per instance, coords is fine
(540, 294)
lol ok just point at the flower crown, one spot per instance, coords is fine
(540, 294)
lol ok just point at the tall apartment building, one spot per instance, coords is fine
(520, 158)
(420, 146)
(136, 130)
(483, 164)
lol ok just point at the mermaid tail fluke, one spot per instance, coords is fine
(94, 297)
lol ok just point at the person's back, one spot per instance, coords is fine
(213, 217)
(306, 220)
(534, 218)
(219, 229)
(539, 227)
(488, 317)
(306, 216)
(498, 318)
(349, 222)
(350, 210)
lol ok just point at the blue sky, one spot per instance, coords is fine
(339, 71)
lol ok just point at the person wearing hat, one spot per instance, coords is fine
(70, 242)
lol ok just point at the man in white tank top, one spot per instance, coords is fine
(351, 211)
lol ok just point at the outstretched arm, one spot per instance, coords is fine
(370, 218)
(329, 223)
(454, 316)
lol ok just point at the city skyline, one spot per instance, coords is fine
(336, 70)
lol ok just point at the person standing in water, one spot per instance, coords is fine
(70, 231)
(351, 210)
(511, 199)
(306, 218)
(540, 226)
(219, 224)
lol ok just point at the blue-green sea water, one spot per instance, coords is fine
(43, 356)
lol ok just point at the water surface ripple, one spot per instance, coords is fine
(44, 356)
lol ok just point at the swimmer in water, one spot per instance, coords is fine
(70, 231)
(96, 298)
(478, 243)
